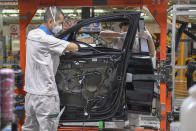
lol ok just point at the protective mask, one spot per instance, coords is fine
(57, 28)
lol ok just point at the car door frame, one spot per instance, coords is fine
(133, 18)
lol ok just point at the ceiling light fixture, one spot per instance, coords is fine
(78, 11)
(10, 11)
(40, 11)
(192, 10)
(67, 11)
(98, 11)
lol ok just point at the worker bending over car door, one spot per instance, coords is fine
(42, 102)
(115, 38)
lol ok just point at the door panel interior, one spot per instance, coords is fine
(91, 82)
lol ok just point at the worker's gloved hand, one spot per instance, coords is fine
(72, 47)
(145, 34)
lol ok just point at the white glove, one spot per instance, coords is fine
(145, 34)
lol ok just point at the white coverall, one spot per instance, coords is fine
(42, 103)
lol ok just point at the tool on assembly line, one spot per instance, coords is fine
(61, 112)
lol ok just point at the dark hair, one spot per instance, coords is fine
(55, 10)
(123, 24)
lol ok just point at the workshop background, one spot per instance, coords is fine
(185, 49)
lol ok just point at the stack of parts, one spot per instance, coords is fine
(6, 99)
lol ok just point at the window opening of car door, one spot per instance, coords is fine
(102, 36)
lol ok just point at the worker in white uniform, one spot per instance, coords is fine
(113, 38)
(42, 103)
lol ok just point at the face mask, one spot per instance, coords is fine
(57, 28)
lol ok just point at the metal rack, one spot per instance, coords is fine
(178, 10)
